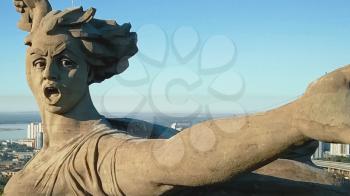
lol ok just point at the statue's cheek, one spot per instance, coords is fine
(28, 72)
(34, 81)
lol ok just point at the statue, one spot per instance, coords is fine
(87, 154)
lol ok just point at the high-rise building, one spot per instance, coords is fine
(319, 152)
(39, 140)
(340, 150)
(322, 151)
(35, 132)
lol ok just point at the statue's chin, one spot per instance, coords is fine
(55, 109)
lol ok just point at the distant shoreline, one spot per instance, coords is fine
(10, 129)
(19, 118)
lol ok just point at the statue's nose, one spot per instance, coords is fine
(50, 72)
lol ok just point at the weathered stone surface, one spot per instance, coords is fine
(86, 154)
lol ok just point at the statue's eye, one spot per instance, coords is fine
(65, 62)
(39, 64)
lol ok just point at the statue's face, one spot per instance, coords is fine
(56, 72)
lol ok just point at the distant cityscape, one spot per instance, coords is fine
(14, 154)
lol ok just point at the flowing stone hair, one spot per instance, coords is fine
(107, 45)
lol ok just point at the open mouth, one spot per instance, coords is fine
(52, 94)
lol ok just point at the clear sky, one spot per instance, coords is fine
(246, 54)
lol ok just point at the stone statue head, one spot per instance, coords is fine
(68, 50)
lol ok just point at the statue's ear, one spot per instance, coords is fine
(32, 12)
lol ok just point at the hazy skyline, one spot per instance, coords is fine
(271, 48)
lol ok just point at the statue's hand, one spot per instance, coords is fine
(32, 12)
(324, 132)
(20, 5)
(323, 113)
(31, 4)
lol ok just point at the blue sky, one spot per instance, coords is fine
(280, 47)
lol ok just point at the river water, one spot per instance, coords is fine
(13, 131)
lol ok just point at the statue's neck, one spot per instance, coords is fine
(60, 128)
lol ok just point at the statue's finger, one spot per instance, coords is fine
(16, 2)
(19, 3)
(31, 3)
(19, 9)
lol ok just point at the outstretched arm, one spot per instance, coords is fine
(217, 150)
(206, 153)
